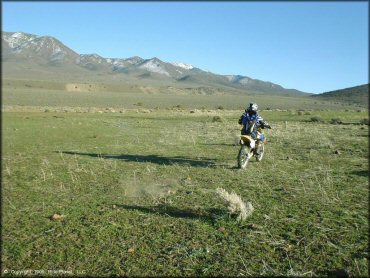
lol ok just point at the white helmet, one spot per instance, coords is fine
(252, 107)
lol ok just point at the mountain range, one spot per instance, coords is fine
(29, 56)
(353, 95)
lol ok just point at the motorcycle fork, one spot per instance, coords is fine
(258, 147)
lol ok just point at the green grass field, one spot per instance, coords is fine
(137, 191)
(54, 96)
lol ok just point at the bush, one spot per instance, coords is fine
(336, 121)
(364, 121)
(220, 107)
(300, 113)
(315, 119)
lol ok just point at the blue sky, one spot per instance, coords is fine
(310, 46)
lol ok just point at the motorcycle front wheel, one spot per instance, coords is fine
(243, 157)
(261, 152)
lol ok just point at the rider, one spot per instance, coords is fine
(249, 116)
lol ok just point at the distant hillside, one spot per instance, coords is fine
(354, 95)
(28, 56)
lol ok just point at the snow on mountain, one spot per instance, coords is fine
(42, 43)
(18, 39)
(119, 63)
(92, 58)
(182, 65)
(231, 78)
(134, 60)
(124, 62)
(33, 46)
(21, 41)
(244, 80)
(154, 65)
(116, 63)
(238, 79)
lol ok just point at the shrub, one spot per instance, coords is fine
(220, 107)
(300, 113)
(364, 121)
(316, 119)
(336, 121)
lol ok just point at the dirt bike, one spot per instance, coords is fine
(252, 145)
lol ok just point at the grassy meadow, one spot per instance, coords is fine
(53, 96)
(135, 188)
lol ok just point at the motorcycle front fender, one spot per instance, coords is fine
(247, 140)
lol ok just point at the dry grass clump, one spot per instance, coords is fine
(217, 119)
(236, 204)
(56, 217)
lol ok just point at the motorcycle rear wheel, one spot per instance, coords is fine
(243, 157)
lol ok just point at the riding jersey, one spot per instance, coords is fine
(246, 119)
